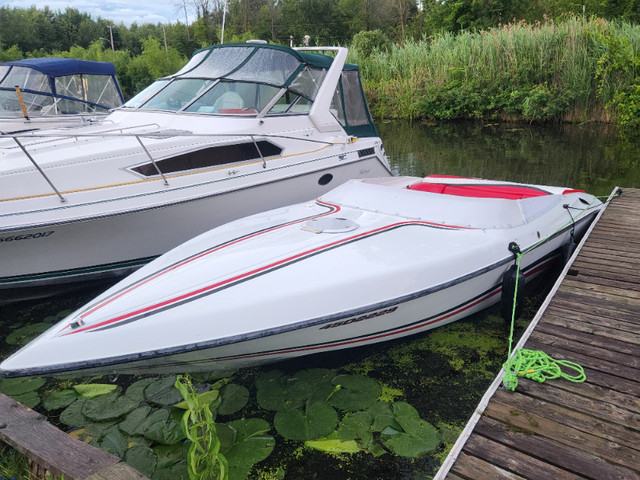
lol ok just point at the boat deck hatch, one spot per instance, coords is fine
(329, 225)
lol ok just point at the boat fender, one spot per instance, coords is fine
(509, 294)
(568, 249)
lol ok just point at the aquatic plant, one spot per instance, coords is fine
(204, 458)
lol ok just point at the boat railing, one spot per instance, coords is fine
(135, 133)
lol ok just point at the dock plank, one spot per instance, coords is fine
(555, 453)
(515, 461)
(532, 424)
(57, 453)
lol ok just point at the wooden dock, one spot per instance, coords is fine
(53, 453)
(559, 429)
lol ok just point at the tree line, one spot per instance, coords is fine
(325, 22)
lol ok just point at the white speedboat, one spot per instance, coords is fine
(49, 92)
(371, 260)
(242, 128)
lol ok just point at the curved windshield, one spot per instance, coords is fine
(238, 79)
(234, 98)
(178, 94)
(146, 94)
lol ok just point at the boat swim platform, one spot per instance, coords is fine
(559, 429)
(53, 453)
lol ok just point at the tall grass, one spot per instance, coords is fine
(571, 70)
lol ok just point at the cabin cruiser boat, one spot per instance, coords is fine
(371, 260)
(242, 128)
(49, 92)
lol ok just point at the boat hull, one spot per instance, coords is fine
(111, 246)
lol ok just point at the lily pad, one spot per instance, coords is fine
(176, 471)
(72, 415)
(135, 391)
(357, 426)
(142, 458)
(162, 428)
(112, 440)
(22, 336)
(57, 399)
(316, 420)
(162, 391)
(271, 387)
(28, 399)
(110, 406)
(251, 442)
(234, 399)
(333, 444)
(278, 392)
(17, 386)
(382, 417)
(134, 420)
(92, 390)
(417, 437)
(357, 392)
(171, 454)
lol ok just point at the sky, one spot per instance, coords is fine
(120, 11)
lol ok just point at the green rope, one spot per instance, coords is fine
(538, 366)
(533, 364)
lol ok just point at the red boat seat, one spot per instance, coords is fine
(508, 192)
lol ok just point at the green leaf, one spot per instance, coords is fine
(234, 399)
(92, 390)
(72, 415)
(135, 391)
(57, 399)
(251, 444)
(109, 406)
(134, 420)
(277, 392)
(206, 398)
(28, 399)
(112, 441)
(316, 420)
(333, 444)
(24, 335)
(176, 471)
(142, 458)
(357, 392)
(382, 417)
(418, 436)
(162, 391)
(357, 426)
(161, 427)
(17, 386)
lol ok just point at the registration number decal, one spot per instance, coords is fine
(27, 236)
(360, 318)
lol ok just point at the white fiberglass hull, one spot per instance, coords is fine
(119, 241)
(369, 261)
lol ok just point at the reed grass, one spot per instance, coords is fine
(571, 70)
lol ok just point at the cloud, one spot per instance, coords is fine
(119, 11)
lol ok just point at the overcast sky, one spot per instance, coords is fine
(120, 11)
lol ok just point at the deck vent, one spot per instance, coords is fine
(329, 225)
(365, 152)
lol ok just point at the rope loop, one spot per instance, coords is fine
(538, 366)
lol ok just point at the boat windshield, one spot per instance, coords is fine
(238, 79)
(44, 94)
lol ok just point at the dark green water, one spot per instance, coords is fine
(591, 157)
(445, 372)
